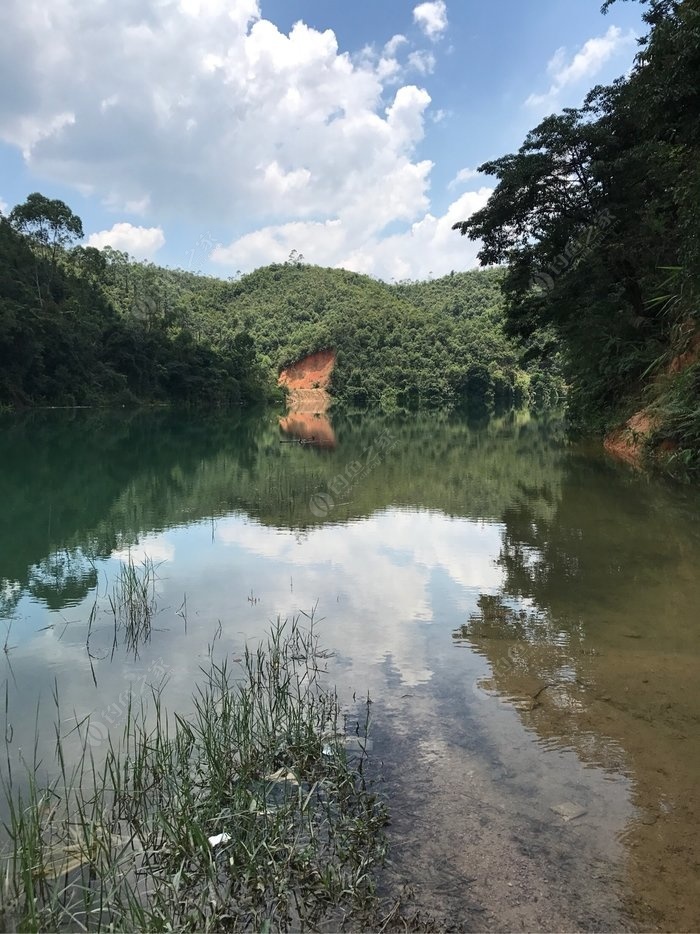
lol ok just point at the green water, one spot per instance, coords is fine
(522, 610)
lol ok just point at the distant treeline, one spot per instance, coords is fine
(596, 217)
(84, 326)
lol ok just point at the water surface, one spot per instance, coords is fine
(522, 611)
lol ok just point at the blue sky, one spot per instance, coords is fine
(221, 134)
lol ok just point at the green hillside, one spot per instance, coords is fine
(82, 326)
(421, 345)
(78, 328)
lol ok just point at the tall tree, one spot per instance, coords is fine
(595, 207)
(50, 223)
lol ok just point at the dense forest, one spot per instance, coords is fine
(410, 346)
(596, 221)
(82, 326)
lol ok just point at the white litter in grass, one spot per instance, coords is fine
(282, 775)
(219, 838)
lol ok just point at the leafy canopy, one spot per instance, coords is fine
(589, 215)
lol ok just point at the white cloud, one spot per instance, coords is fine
(432, 18)
(394, 44)
(276, 182)
(204, 112)
(428, 246)
(464, 175)
(584, 65)
(140, 242)
(138, 206)
(27, 131)
(4, 207)
(421, 61)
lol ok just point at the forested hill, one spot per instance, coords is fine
(408, 346)
(82, 326)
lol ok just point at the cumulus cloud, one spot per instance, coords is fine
(204, 111)
(432, 18)
(428, 246)
(422, 61)
(585, 64)
(140, 242)
(4, 207)
(394, 44)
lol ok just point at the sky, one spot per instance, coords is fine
(220, 135)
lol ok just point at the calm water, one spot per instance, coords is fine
(523, 612)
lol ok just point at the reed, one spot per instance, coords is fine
(133, 603)
(250, 813)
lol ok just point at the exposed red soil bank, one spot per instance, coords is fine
(312, 372)
(627, 441)
(307, 383)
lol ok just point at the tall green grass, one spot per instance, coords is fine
(261, 766)
(133, 603)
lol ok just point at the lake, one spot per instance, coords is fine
(522, 611)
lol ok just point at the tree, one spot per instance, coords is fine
(50, 223)
(90, 262)
(591, 212)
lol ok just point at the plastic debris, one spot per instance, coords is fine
(567, 810)
(219, 838)
(282, 775)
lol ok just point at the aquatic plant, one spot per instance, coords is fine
(250, 813)
(133, 603)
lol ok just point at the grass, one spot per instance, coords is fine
(249, 814)
(677, 406)
(133, 603)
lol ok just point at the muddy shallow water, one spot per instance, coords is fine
(522, 611)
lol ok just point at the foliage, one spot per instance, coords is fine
(72, 332)
(591, 211)
(49, 223)
(79, 326)
(407, 346)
